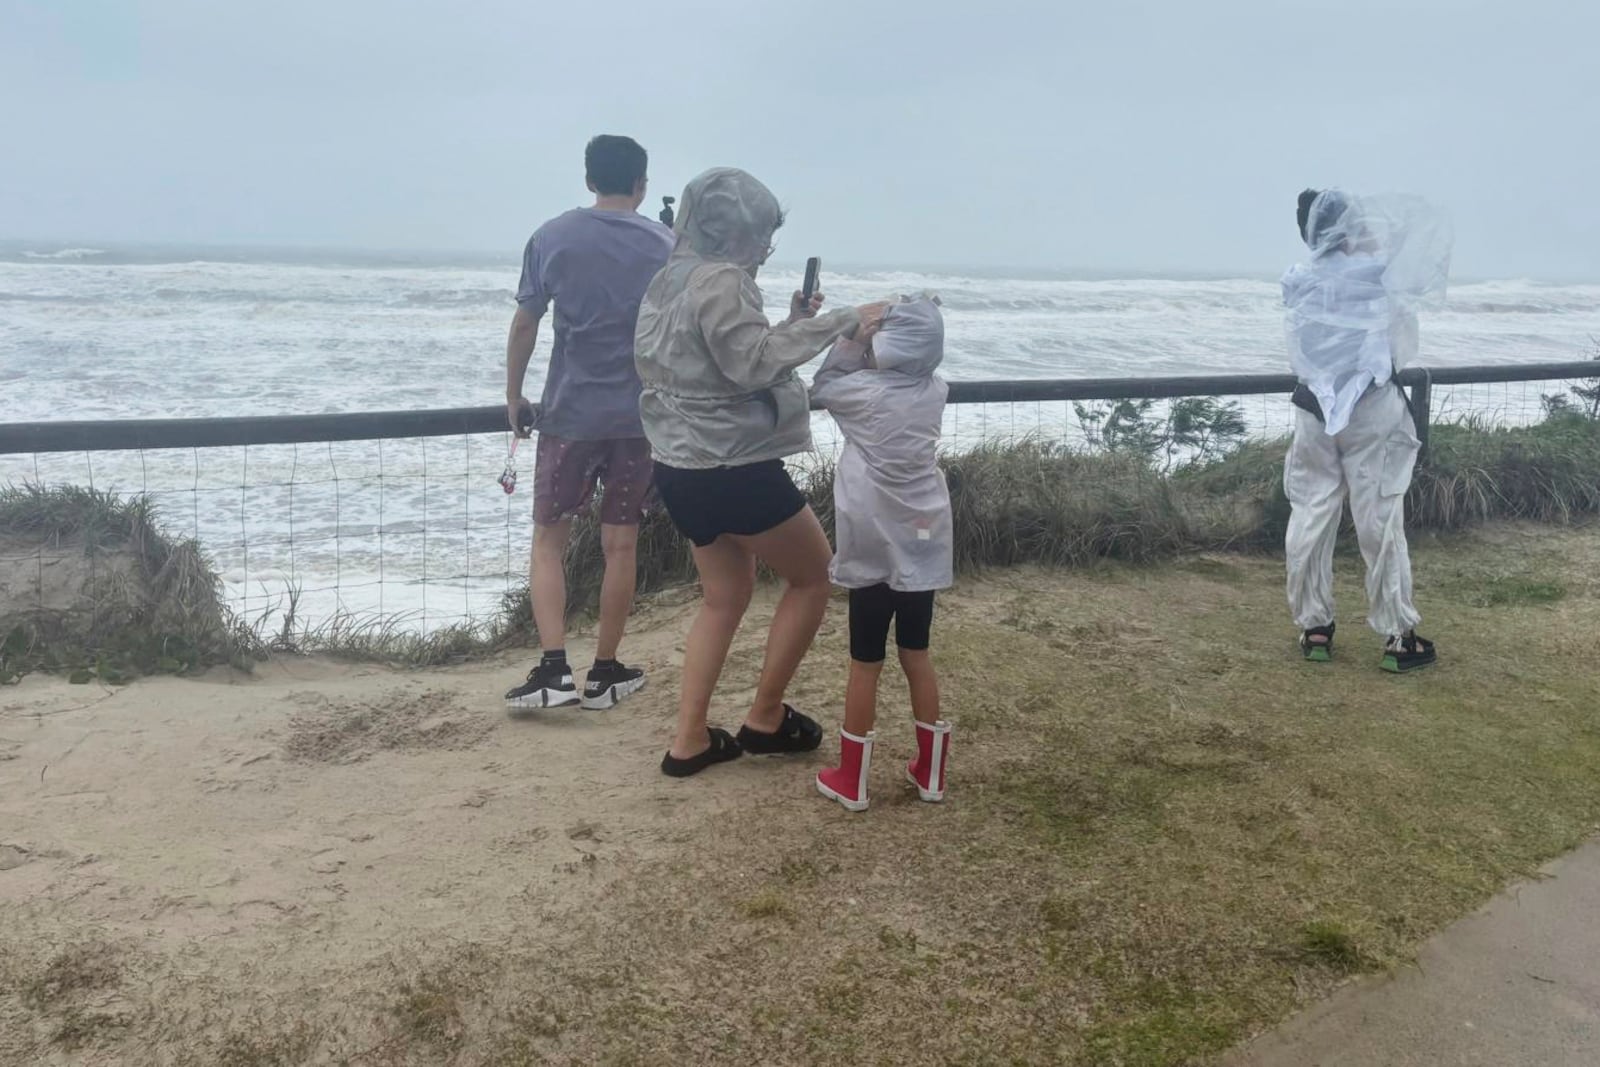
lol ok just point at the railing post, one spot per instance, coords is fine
(1421, 411)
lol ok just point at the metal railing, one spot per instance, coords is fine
(110, 435)
(410, 523)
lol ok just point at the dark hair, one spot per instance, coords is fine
(615, 165)
(1303, 212)
(1329, 220)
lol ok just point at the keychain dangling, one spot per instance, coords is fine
(508, 477)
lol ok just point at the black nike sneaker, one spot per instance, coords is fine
(610, 684)
(548, 686)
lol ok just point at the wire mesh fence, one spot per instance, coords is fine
(412, 529)
(417, 530)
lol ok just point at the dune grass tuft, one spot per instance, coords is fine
(153, 602)
(1038, 502)
(1028, 502)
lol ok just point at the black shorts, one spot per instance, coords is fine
(871, 610)
(748, 500)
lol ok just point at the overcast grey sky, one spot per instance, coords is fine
(1148, 136)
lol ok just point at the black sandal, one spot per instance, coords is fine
(1407, 652)
(1317, 651)
(722, 749)
(797, 733)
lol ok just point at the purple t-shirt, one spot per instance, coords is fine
(595, 265)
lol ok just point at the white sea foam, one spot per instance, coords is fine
(67, 253)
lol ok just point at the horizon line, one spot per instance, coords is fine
(995, 268)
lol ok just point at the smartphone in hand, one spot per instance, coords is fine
(813, 271)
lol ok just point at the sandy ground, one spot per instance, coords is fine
(293, 822)
(322, 797)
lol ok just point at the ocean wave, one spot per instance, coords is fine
(66, 253)
(460, 298)
(41, 298)
(1496, 307)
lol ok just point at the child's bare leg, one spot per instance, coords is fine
(861, 697)
(924, 684)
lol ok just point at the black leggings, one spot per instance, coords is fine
(872, 609)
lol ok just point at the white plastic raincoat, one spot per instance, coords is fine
(1351, 321)
(892, 520)
(719, 380)
(1352, 306)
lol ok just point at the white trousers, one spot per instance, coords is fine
(1370, 461)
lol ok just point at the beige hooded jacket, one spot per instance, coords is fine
(720, 388)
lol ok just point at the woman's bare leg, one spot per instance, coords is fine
(798, 551)
(727, 579)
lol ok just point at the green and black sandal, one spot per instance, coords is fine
(1407, 652)
(1316, 644)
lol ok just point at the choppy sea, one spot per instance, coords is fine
(422, 528)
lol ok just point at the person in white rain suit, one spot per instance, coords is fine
(1351, 322)
(893, 533)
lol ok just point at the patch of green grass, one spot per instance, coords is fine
(1504, 592)
(79, 1028)
(767, 903)
(1159, 1038)
(428, 1010)
(841, 999)
(76, 969)
(1216, 569)
(892, 940)
(1328, 943)
(263, 1046)
(798, 871)
(1058, 913)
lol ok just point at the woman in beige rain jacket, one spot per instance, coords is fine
(722, 408)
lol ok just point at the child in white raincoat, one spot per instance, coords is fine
(1351, 321)
(893, 533)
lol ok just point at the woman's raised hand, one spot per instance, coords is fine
(871, 316)
(800, 308)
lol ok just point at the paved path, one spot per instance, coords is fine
(1515, 985)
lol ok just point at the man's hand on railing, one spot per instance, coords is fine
(520, 415)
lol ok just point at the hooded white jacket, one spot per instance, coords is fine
(892, 519)
(719, 380)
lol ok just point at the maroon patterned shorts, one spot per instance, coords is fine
(566, 473)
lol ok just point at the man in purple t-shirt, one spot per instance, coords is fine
(594, 264)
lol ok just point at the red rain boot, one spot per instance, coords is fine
(933, 752)
(847, 783)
